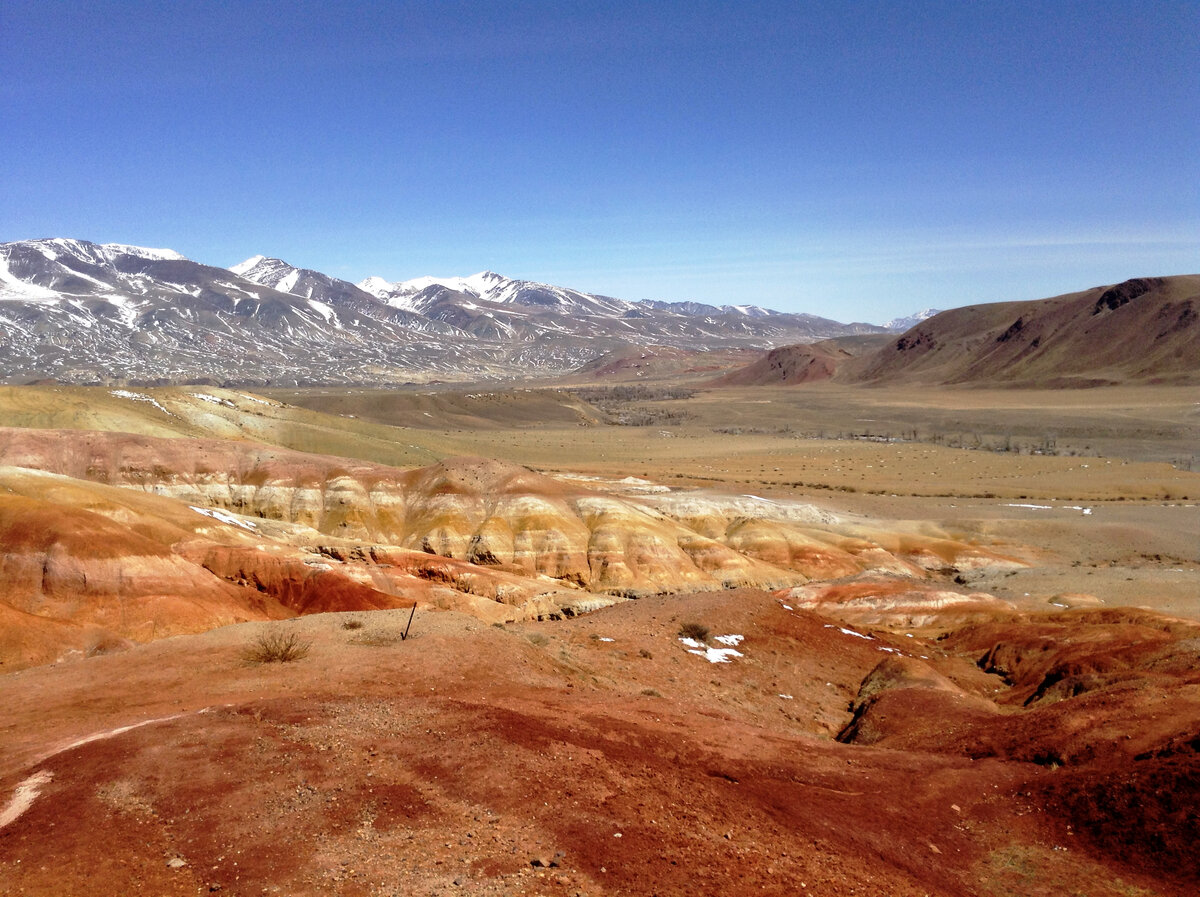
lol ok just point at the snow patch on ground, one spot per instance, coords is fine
(242, 267)
(27, 791)
(1084, 510)
(715, 655)
(849, 632)
(138, 397)
(215, 400)
(24, 796)
(225, 517)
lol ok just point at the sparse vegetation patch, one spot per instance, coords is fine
(617, 403)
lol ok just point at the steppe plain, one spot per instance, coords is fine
(1032, 728)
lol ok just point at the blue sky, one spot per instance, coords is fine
(854, 160)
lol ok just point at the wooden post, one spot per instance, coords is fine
(410, 619)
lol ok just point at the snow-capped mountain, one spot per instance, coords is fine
(488, 286)
(79, 311)
(329, 295)
(700, 308)
(899, 325)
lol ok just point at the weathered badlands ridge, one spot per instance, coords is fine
(112, 537)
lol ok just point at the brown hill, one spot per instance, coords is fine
(1142, 330)
(646, 363)
(805, 363)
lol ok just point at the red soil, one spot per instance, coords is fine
(543, 759)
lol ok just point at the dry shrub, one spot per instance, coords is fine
(697, 631)
(277, 647)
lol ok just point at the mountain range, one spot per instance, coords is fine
(76, 311)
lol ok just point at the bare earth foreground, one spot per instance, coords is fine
(966, 685)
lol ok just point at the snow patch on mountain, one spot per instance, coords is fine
(248, 265)
(98, 253)
(488, 286)
(165, 255)
(376, 286)
(901, 324)
(12, 288)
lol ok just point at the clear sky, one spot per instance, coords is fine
(856, 160)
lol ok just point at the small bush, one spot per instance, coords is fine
(652, 692)
(352, 624)
(697, 631)
(277, 647)
(646, 654)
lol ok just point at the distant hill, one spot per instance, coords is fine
(805, 363)
(644, 363)
(1143, 330)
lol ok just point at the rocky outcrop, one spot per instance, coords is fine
(901, 687)
(873, 599)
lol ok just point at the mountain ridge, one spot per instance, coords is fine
(1146, 329)
(77, 311)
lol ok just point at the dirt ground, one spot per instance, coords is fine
(593, 756)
